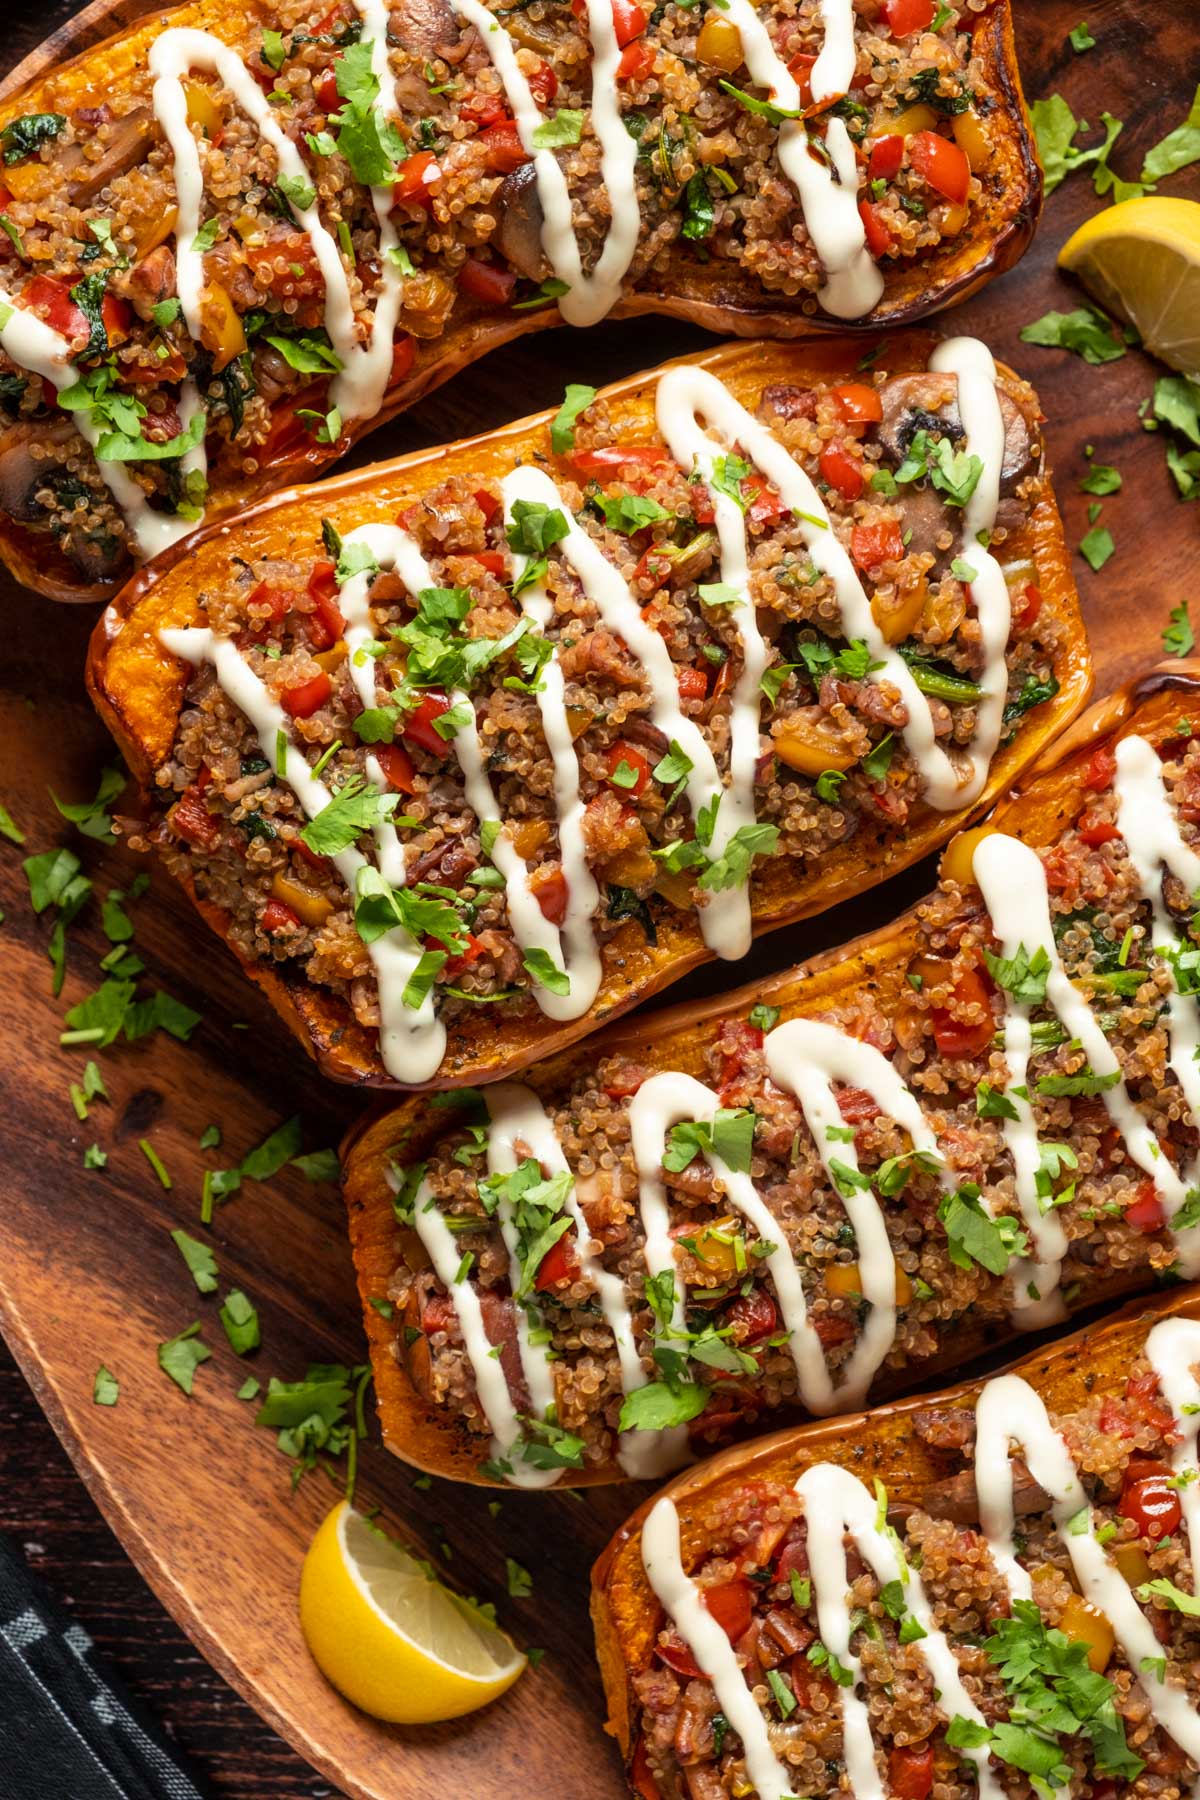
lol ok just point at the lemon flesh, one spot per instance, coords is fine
(1141, 261)
(389, 1636)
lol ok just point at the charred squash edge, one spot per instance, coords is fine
(996, 240)
(1051, 797)
(881, 1443)
(138, 690)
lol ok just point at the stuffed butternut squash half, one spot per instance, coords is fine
(831, 1185)
(466, 753)
(989, 1591)
(236, 240)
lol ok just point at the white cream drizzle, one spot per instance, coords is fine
(411, 1039)
(33, 344)
(1012, 880)
(688, 393)
(828, 191)
(588, 297)
(1010, 1414)
(807, 1058)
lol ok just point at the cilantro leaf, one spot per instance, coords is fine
(576, 400)
(1179, 639)
(241, 1324)
(660, 1405)
(180, 1357)
(1086, 331)
(199, 1259)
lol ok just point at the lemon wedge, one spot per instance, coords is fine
(1141, 260)
(389, 1635)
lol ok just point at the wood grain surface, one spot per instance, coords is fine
(200, 1497)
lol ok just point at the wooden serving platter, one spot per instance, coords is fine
(88, 1274)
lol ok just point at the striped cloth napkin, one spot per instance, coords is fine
(67, 1728)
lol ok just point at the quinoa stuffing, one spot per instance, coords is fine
(1052, 1696)
(971, 1241)
(387, 725)
(340, 183)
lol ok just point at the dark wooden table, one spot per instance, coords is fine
(1135, 73)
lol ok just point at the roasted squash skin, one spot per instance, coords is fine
(880, 1445)
(112, 36)
(1049, 799)
(138, 690)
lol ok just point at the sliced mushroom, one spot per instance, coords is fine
(96, 556)
(21, 472)
(929, 402)
(422, 27)
(130, 140)
(783, 401)
(957, 1499)
(519, 233)
(912, 403)
(151, 281)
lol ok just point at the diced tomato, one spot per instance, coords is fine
(488, 504)
(887, 153)
(793, 1554)
(276, 599)
(625, 1080)
(640, 1778)
(857, 404)
(844, 471)
(487, 281)
(941, 163)
(50, 297)
(628, 754)
(1149, 1500)
(474, 950)
(653, 565)
(800, 69)
(617, 456)
(1146, 1213)
(1027, 608)
(730, 1605)
(1096, 831)
(753, 1316)
(559, 1266)
(1143, 1397)
(629, 21)
(325, 88)
(953, 1036)
(872, 545)
(856, 1106)
(419, 175)
(287, 429)
(693, 684)
(738, 1041)
(190, 818)
(302, 700)
(875, 226)
(418, 726)
(766, 503)
(311, 857)
(551, 893)
(903, 18)
(117, 315)
(1102, 766)
(503, 149)
(1113, 1418)
(808, 1682)
(910, 1768)
(278, 917)
(404, 352)
(636, 61)
(301, 277)
(834, 1328)
(702, 505)
(438, 1313)
(491, 560)
(543, 82)
(325, 623)
(484, 109)
(676, 1654)
(397, 766)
